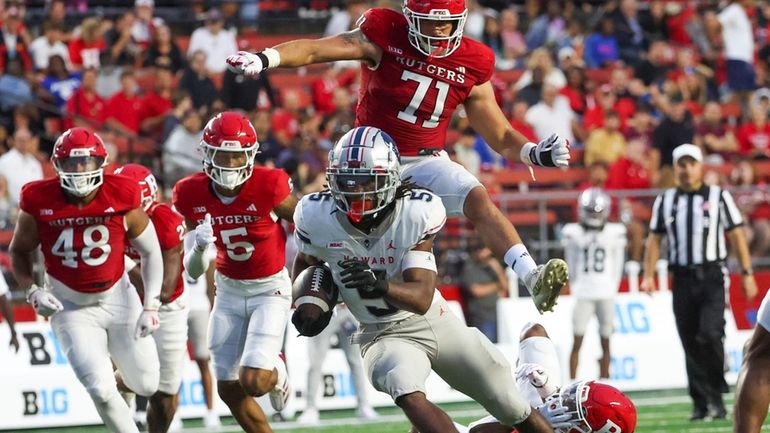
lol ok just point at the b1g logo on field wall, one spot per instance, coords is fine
(45, 402)
(631, 318)
(39, 354)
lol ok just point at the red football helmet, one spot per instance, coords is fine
(229, 145)
(418, 12)
(79, 157)
(597, 408)
(146, 180)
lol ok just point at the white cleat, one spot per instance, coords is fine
(310, 416)
(367, 413)
(280, 394)
(211, 420)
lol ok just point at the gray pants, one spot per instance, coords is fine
(398, 358)
(584, 309)
(342, 324)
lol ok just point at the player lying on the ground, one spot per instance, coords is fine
(581, 407)
(82, 220)
(416, 69)
(376, 233)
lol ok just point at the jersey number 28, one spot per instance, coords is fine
(423, 85)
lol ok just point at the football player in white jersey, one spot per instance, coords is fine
(376, 232)
(594, 250)
(581, 407)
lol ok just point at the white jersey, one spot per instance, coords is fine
(595, 259)
(326, 234)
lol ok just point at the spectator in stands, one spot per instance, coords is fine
(343, 118)
(641, 124)
(606, 143)
(604, 102)
(56, 13)
(85, 50)
(47, 45)
(86, 108)
(122, 48)
(121, 112)
(14, 88)
(519, 120)
(739, 48)
(59, 83)
(8, 209)
(713, 135)
(285, 120)
(145, 24)
(20, 164)
(182, 103)
(323, 88)
(465, 154)
(164, 51)
(474, 24)
(655, 65)
(345, 19)
(552, 115)
(269, 148)
(195, 80)
(213, 40)
(547, 29)
(247, 93)
(634, 170)
(181, 154)
(575, 90)
(27, 116)
(754, 136)
(514, 44)
(654, 22)
(156, 104)
(532, 92)
(482, 282)
(541, 58)
(677, 127)
(14, 40)
(629, 33)
(601, 46)
(491, 35)
(755, 206)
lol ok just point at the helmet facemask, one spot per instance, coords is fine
(594, 208)
(230, 165)
(572, 399)
(80, 175)
(360, 193)
(430, 44)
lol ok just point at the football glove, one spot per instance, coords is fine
(358, 275)
(555, 413)
(551, 152)
(148, 322)
(204, 234)
(246, 63)
(43, 301)
(310, 320)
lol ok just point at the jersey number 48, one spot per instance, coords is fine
(95, 251)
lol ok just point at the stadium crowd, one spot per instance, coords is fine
(626, 81)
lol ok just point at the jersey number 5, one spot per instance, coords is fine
(96, 248)
(423, 85)
(240, 251)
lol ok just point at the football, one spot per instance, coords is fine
(315, 295)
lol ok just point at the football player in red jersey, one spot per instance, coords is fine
(82, 220)
(416, 69)
(237, 206)
(171, 337)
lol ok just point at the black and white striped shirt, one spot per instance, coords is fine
(695, 224)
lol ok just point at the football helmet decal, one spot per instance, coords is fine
(594, 208)
(79, 157)
(423, 13)
(146, 180)
(364, 172)
(229, 147)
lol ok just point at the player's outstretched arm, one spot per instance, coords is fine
(352, 45)
(486, 117)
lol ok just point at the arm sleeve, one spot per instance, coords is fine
(729, 212)
(151, 260)
(195, 262)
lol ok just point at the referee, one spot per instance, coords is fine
(694, 218)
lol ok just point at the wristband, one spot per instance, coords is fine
(270, 57)
(747, 272)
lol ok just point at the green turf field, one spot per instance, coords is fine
(659, 412)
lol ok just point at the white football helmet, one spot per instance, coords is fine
(364, 172)
(594, 208)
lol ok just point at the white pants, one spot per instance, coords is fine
(342, 324)
(171, 342)
(197, 328)
(446, 178)
(248, 330)
(92, 333)
(584, 309)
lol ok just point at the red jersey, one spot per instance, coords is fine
(409, 95)
(169, 226)
(250, 241)
(125, 109)
(82, 246)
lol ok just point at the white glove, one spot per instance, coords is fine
(246, 63)
(555, 413)
(538, 377)
(44, 303)
(148, 322)
(204, 234)
(551, 152)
